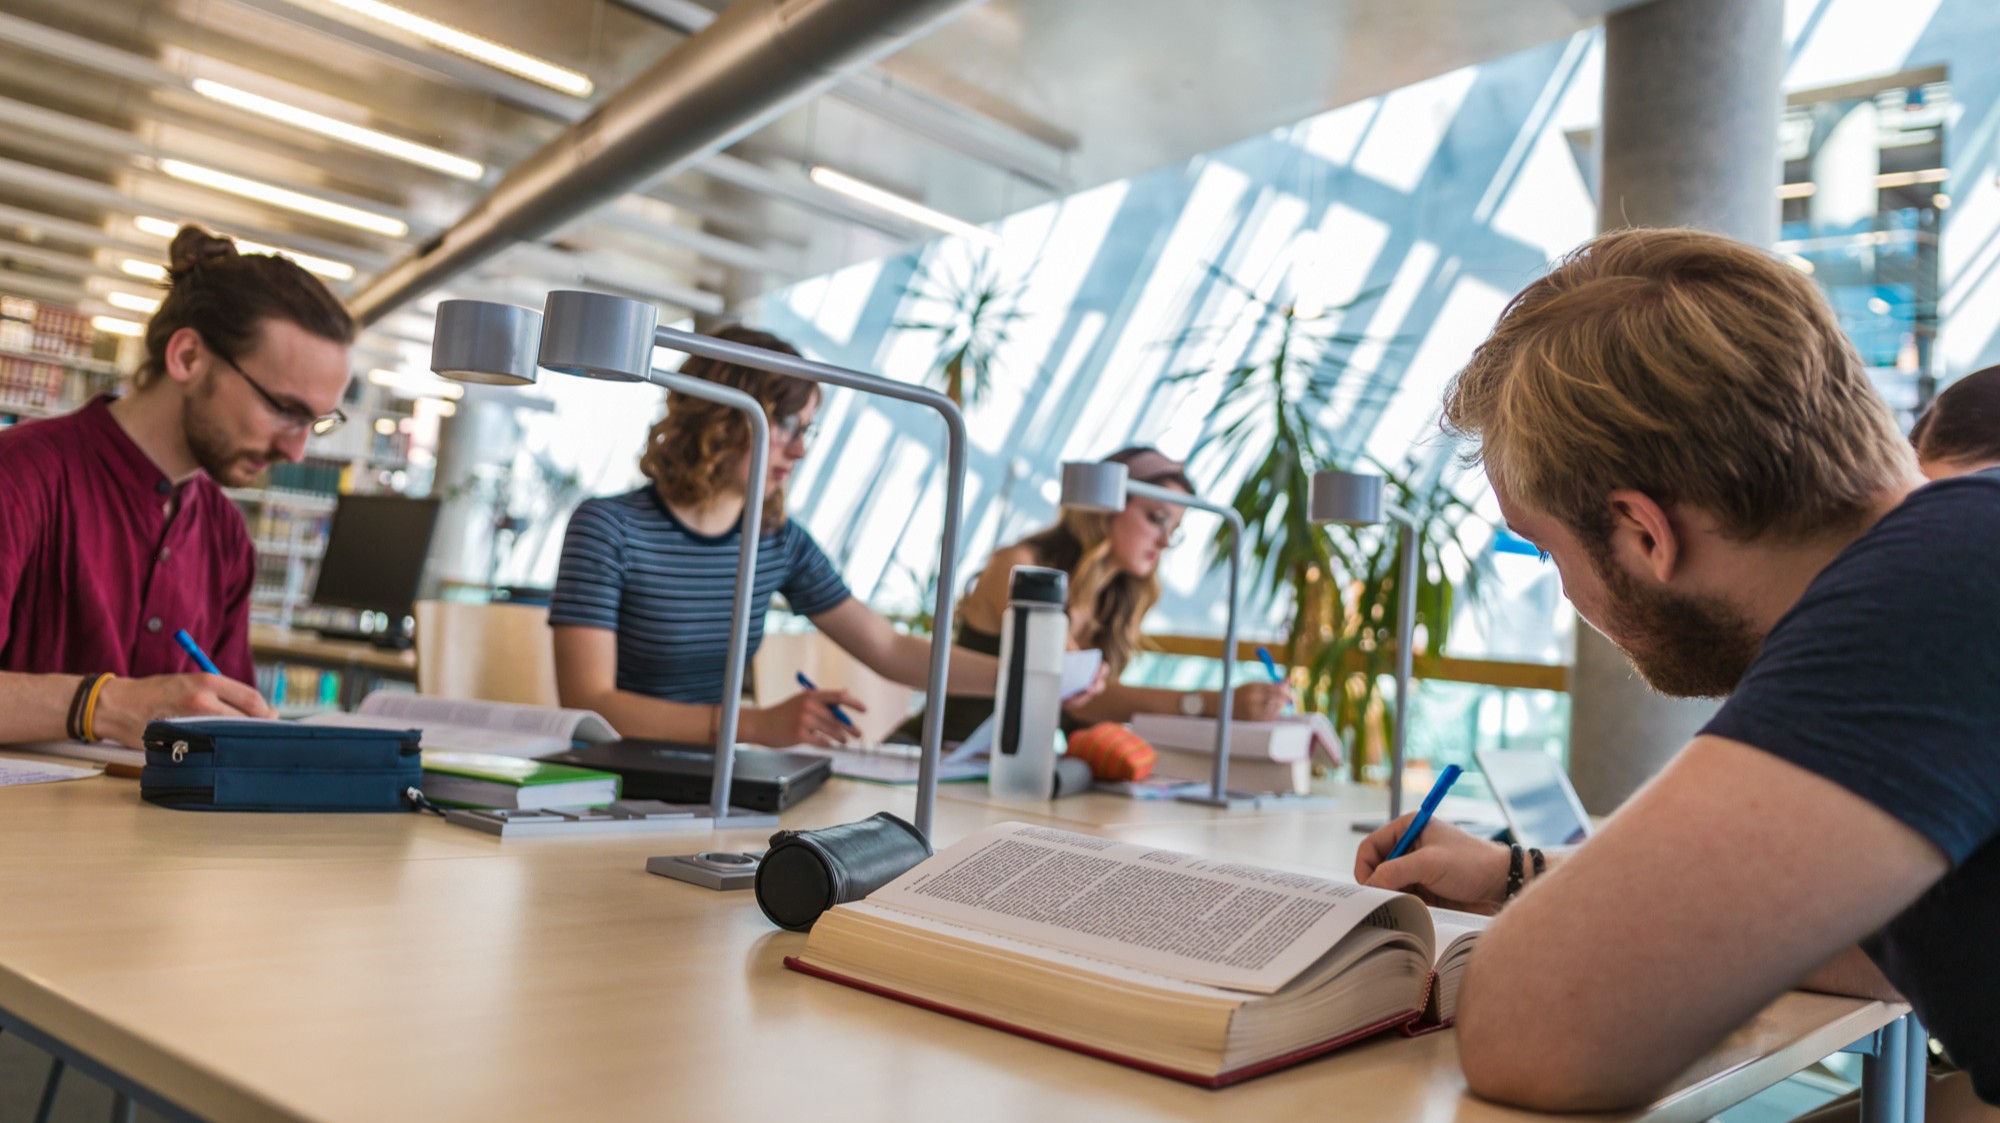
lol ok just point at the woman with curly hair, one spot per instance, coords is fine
(643, 596)
(1113, 564)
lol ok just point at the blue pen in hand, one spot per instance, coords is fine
(1264, 657)
(194, 650)
(1444, 782)
(839, 714)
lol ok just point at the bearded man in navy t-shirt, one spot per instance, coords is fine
(1677, 420)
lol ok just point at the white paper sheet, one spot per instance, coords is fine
(15, 771)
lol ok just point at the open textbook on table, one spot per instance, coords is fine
(1202, 969)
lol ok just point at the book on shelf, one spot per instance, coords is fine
(491, 780)
(1201, 969)
(461, 725)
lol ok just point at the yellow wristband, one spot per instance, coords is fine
(90, 706)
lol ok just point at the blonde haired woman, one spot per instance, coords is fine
(1113, 566)
(643, 596)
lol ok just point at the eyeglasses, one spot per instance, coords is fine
(789, 429)
(294, 417)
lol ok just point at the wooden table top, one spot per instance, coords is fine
(368, 967)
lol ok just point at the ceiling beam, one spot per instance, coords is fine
(547, 261)
(432, 61)
(142, 154)
(932, 118)
(641, 215)
(62, 185)
(797, 189)
(752, 64)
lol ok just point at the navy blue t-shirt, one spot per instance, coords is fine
(1885, 679)
(629, 565)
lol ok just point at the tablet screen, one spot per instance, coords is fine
(1541, 807)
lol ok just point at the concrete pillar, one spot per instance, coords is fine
(1692, 95)
(476, 446)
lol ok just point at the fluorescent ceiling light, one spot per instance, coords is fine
(898, 205)
(133, 267)
(289, 200)
(472, 46)
(1796, 190)
(411, 385)
(409, 151)
(325, 267)
(132, 302)
(112, 325)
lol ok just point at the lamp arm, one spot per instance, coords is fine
(746, 570)
(954, 503)
(1406, 636)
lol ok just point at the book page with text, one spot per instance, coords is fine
(508, 717)
(1206, 920)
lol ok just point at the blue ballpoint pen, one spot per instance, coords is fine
(839, 714)
(193, 649)
(1444, 782)
(1264, 657)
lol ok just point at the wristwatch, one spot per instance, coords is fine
(1192, 703)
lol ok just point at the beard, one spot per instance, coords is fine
(1682, 645)
(226, 462)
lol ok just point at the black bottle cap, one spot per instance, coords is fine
(1038, 585)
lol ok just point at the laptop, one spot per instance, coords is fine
(1536, 797)
(762, 779)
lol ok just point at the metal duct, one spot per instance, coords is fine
(756, 60)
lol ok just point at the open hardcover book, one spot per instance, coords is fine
(1201, 969)
(456, 725)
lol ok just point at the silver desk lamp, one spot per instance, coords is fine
(613, 337)
(1356, 500)
(1105, 486)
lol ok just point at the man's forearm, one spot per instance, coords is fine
(35, 707)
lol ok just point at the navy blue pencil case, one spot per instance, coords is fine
(218, 764)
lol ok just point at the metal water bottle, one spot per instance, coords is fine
(1028, 696)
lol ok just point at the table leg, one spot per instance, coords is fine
(1885, 1071)
(1917, 1082)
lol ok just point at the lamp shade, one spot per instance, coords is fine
(482, 341)
(594, 335)
(1345, 497)
(1094, 485)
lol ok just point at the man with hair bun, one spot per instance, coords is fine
(1678, 422)
(114, 529)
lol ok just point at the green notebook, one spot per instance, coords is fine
(489, 780)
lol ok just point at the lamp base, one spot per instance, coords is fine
(1226, 801)
(710, 869)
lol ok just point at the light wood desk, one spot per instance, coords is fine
(371, 967)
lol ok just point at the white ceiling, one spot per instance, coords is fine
(1013, 103)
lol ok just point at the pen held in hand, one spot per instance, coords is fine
(839, 714)
(195, 652)
(1444, 782)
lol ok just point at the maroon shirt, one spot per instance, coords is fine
(94, 576)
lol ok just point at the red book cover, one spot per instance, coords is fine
(1233, 1076)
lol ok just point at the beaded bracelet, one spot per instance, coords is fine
(1514, 872)
(1535, 857)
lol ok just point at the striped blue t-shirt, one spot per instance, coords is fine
(629, 565)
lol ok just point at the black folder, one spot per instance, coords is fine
(762, 779)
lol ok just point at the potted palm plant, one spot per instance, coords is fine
(970, 309)
(1269, 431)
